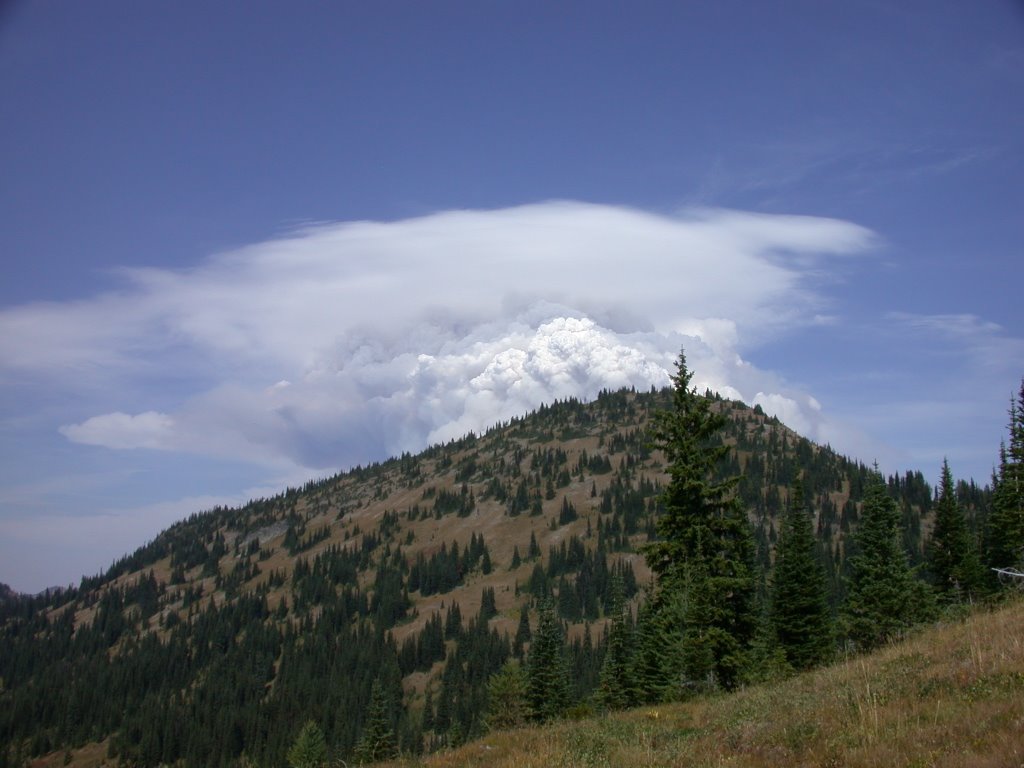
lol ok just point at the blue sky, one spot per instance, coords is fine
(246, 244)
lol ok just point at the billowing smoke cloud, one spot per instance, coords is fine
(350, 342)
(386, 398)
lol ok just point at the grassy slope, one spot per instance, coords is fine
(952, 695)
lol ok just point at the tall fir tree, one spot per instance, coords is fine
(523, 633)
(309, 750)
(1006, 518)
(883, 597)
(547, 671)
(953, 562)
(378, 738)
(616, 689)
(506, 696)
(658, 659)
(800, 613)
(705, 545)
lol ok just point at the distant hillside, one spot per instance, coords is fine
(227, 632)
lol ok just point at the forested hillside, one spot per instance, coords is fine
(415, 603)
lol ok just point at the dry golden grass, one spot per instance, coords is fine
(90, 756)
(952, 695)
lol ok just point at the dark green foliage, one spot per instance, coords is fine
(378, 738)
(567, 513)
(506, 697)
(568, 602)
(627, 504)
(953, 562)
(546, 669)
(884, 598)
(539, 584)
(420, 651)
(1006, 519)
(488, 604)
(705, 547)
(225, 670)
(534, 549)
(447, 568)
(566, 557)
(617, 690)
(453, 622)
(658, 660)
(390, 599)
(297, 540)
(523, 633)
(309, 749)
(582, 598)
(800, 613)
(462, 701)
(585, 661)
(462, 503)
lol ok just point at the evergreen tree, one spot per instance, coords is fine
(523, 633)
(428, 710)
(378, 739)
(768, 661)
(506, 697)
(533, 551)
(883, 597)
(953, 561)
(708, 648)
(547, 671)
(657, 662)
(1006, 519)
(800, 613)
(616, 689)
(705, 546)
(488, 604)
(309, 749)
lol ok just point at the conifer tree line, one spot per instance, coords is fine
(707, 626)
(750, 582)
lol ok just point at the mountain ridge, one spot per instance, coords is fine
(438, 553)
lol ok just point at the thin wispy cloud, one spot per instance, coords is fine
(834, 159)
(960, 326)
(985, 345)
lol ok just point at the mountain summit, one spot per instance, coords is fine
(387, 599)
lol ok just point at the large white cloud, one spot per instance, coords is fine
(346, 342)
